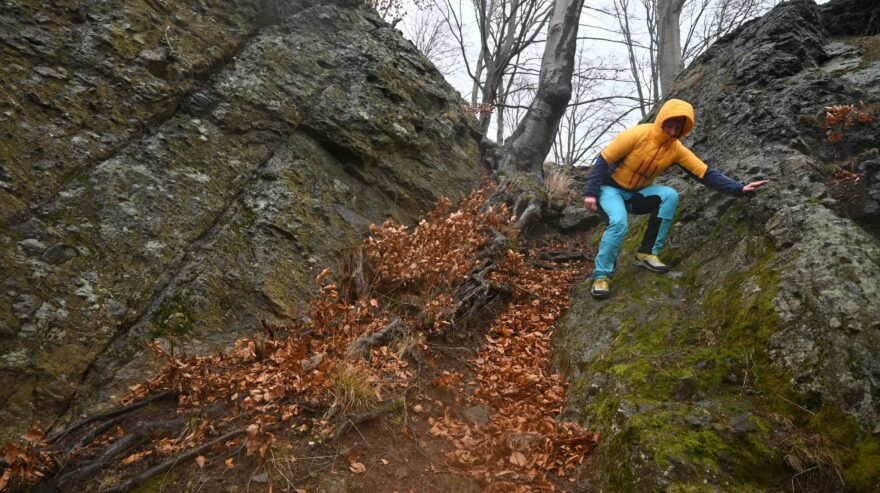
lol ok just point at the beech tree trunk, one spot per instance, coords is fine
(528, 146)
(669, 56)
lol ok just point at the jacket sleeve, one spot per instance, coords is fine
(622, 145)
(710, 177)
(715, 179)
(598, 175)
(690, 162)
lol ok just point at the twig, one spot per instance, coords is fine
(798, 474)
(168, 41)
(795, 404)
(746, 376)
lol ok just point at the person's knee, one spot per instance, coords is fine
(669, 196)
(618, 225)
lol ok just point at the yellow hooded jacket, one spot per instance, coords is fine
(646, 150)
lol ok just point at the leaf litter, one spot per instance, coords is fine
(303, 377)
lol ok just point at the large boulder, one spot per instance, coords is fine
(182, 170)
(755, 364)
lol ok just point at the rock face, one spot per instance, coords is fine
(182, 170)
(755, 364)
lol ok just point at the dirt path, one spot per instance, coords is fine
(426, 367)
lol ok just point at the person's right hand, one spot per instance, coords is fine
(590, 203)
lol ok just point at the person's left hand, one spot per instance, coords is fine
(751, 187)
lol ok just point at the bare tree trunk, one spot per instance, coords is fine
(499, 122)
(669, 56)
(529, 144)
(622, 12)
(475, 91)
(651, 24)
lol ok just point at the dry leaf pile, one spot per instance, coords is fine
(22, 462)
(352, 355)
(523, 440)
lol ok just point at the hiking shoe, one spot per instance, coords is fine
(651, 262)
(601, 288)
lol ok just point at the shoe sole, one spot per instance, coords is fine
(655, 270)
(600, 296)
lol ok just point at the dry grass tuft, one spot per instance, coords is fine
(812, 457)
(351, 386)
(560, 185)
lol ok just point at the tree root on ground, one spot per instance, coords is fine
(564, 255)
(168, 464)
(476, 293)
(140, 433)
(365, 342)
(108, 415)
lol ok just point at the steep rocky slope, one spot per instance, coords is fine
(754, 365)
(178, 170)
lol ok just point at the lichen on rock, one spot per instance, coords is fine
(181, 172)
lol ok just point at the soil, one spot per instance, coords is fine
(397, 450)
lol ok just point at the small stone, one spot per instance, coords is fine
(27, 331)
(477, 415)
(114, 308)
(269, 174)
(23, 306)
(704, 364)
(59, 74)
(46, 165)
(687, 387)
(645, 407)
(742, 424)
(401, 472)
(32, 246)
(698, 420)
(58, 254)
(263, 477)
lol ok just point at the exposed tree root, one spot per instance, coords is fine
(475, 294)
(108, 415)
(116, 449)
(477, 291)
(564, 255)
(168, 464)
(364, 343)
(529, 216)
(138, 434)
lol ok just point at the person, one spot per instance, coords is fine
(622, 182)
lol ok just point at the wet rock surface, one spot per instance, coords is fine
(765, 334)
(181, 170)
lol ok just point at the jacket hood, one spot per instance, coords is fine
(674, 108)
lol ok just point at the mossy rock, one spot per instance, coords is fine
(676, 374)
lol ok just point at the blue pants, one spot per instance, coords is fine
(658, 200)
